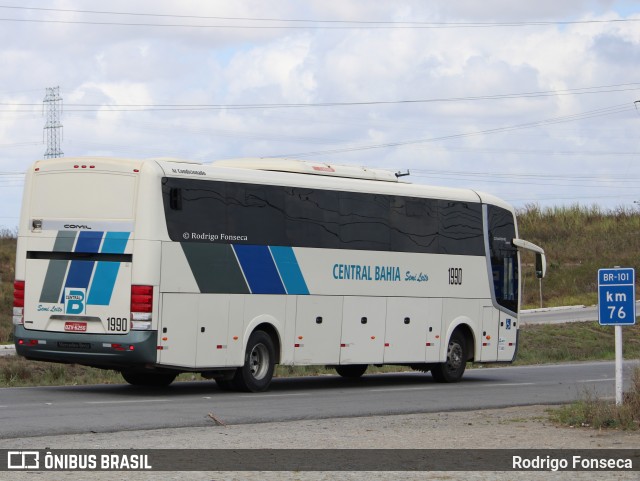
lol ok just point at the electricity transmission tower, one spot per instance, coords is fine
(52, 104)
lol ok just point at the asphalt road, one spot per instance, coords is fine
(109, 408)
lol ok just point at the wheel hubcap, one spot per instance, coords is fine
(259, 361)
(454, 357)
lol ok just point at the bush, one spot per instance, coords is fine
(596, 413)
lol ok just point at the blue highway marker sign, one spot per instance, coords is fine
(617, 297)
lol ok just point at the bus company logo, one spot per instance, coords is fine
(23, 460)
(74, 300)
(78, 227)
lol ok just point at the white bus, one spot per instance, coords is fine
(157, 267)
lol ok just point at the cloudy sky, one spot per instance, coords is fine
(533, 101)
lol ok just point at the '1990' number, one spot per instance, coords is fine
(117, 324)
(455, 276)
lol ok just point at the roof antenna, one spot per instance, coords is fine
(402, 174)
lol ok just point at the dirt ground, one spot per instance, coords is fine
(514, 428)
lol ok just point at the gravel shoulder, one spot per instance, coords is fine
(515, 428)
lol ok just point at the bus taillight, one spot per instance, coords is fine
(18, 302)
(141, 307)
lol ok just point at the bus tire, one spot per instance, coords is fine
(453, 369)
(259, 362)
(148, 378)
(351, 371)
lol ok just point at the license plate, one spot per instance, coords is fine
(74, 326)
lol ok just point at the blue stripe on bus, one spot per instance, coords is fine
(115, 242)
(88, 242)
(259, 269)
(79, 275)
(289, 269)
(104, 280)
(80, 271)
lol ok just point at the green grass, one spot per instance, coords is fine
(596, 413)
(7, 262)
(16, 371)
(577, 241)
(574, 341)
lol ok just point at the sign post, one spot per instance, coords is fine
(617, 307)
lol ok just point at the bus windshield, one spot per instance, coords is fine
(504, 257)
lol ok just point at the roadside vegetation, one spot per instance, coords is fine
(596, 413)
(577, 241)
(574, 341)
(7, 265)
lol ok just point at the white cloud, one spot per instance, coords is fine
(335, 62)
(272, 73)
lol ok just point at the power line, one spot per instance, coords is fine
(510, 175)
(6, 178)
(20, 144)
(558, 183)
(314, 23)
(298, 23)
(194, 107)
(589, 153)
(581, 116)
(555, 120)
(572, 198)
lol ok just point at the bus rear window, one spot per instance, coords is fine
(83, 195)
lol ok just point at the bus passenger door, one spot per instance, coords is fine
(508, 337)
(489, 335)
(317, 336)
(363, 323)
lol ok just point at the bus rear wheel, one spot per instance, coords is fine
(259, 362)
(148, 379)
(453, 369)
(352, 371)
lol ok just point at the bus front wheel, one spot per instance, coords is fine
(453, 369)
(259, 362)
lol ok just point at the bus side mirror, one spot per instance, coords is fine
(541, 265)
(541, 259)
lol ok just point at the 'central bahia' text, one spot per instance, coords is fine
(357, 272)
